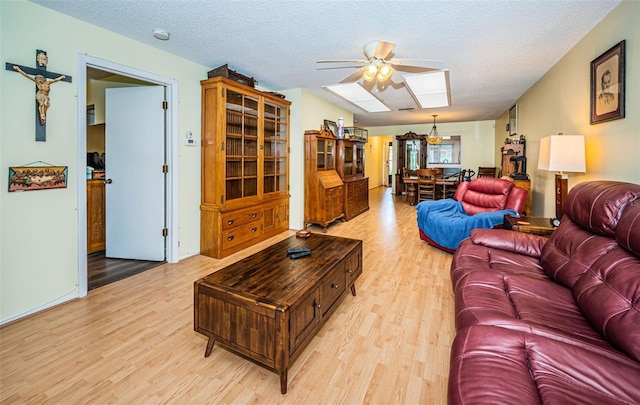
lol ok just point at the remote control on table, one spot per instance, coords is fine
(301, 254)
(297, 250)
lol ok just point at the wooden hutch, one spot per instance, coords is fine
(323, 187)
(350, 168)
(245, 166)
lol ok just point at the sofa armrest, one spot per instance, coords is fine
(511, 241)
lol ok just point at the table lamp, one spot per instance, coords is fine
(562, 153)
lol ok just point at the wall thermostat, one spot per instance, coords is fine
(188, 139)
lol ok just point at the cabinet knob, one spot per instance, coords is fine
(253, 230)
(229, 222)
(333, 285)
(108, 181)
(254, 215)
(350, 271)
(230, 238)
(318, 305)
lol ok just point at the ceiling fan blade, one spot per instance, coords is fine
(343, 61)
(378, 49)
(413, 69)
(426, 63)
(339, 67)
(354, 76)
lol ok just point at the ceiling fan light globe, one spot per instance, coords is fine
(384, 72)
(370, 72)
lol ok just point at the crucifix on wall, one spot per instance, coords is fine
(43, 87)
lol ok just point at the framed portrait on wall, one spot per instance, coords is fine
(513, 120)
(607, 85)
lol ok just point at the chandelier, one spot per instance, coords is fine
(433, 138)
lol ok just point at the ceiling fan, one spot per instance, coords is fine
(381, 65)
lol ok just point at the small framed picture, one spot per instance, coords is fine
(331, 126)
(29, 178)
(512, 127)
(607, 85)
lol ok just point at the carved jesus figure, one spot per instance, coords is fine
(42, 95)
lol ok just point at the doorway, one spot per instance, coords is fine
(388, 165)
(122, 121)
(86, 66)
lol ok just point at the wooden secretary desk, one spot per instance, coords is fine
(323, 187)
(245, 166)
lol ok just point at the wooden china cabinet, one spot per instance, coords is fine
(245, 166)
(323, 187)
(412, 154)
(350, 167)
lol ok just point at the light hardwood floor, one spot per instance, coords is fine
(132, 342)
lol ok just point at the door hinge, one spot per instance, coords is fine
(165, 169)
(221, 199)
(222, 146)
(165, 232)
(165, 105)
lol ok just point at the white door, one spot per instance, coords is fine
(134, 158)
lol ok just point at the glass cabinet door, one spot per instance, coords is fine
(241, 146)
(329, 153)
(348, 160)
(324, 153)
(359, 166)
(275, 148)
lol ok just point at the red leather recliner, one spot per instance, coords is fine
(482, 195)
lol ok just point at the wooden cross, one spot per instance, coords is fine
(40, 76)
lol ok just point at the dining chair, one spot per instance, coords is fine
(486, 172)
(427, 184)
(410, 187)
(450, 183)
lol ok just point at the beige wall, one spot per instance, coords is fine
(39, 229)
(559, 102)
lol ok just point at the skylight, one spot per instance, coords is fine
(356, 94)
(430, 90)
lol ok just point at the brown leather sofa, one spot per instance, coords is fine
(557, 320)
(479, 203)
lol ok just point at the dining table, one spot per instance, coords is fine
(411, 188)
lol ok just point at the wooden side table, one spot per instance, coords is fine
(534, 225)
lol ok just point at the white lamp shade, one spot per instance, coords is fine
(562, 153)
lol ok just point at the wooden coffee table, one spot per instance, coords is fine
(267, 307)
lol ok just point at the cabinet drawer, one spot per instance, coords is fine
(353, 267)
(237, 218)
(332, 287)
(240, 234)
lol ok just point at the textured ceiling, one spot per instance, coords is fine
(495, 49)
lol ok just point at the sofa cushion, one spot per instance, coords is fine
(586, 233)
(521, 302)
(477, 257)
(609, 296)
(628, 229)
(596, 206)
(501, 366)
(571, 250)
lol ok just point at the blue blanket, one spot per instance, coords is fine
(446, 223)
